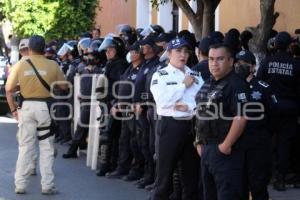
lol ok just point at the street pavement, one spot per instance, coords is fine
(74, 180)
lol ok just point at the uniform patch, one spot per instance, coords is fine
(133, 77)
(264, 84)
(154, 82)
(256, 95)
(242, 97)
(171, 83)
(162, 72)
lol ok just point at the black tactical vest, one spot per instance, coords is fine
(209, 124)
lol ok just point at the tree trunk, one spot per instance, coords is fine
(196, 19)
(208, 22)
(258, 44)
(209, 16)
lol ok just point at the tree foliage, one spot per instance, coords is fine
(50, 18)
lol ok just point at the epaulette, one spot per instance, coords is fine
(162, 72)
(264, 84)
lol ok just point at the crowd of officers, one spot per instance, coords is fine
(191, 120)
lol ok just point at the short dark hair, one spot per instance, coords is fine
(37, 44)
(224, 46)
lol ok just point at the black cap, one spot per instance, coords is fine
(204, 44)
(282, 40)
(246, 56)
(37, 44)
(163, 37)
(148, 40)
(134, 47)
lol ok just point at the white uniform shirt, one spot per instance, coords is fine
(168, 88)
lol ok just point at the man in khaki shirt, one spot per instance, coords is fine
(34, 117)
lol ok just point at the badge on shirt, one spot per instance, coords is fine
(133, 77)
(242, 97)
(256, 95)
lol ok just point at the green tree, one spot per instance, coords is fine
(50, 18)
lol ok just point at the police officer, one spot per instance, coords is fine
(34, 116)
(114, 49)
(128, 146)
(282, 72)
(257, 139)
(219, 124)
(174, 91)
(81, 133)
(203, 49)
(141, 96)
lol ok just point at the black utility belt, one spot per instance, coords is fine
(176, 118)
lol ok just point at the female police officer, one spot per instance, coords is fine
(174, 89)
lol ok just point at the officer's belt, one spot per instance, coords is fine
(177, 118)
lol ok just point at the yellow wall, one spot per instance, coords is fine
(154, 16)
(114, 12)
(243, 13)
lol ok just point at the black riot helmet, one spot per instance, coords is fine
(98, 57)
(83, 45)
(74, 50)
(113, 42)
(68, 47)
(127, 33)
(158, 29)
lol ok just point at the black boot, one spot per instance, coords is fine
(72, 152)
(104, 160)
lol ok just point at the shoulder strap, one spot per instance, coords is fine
(44, 83)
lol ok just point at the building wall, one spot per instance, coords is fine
(114, 12)
(232, 13)
(240, 14)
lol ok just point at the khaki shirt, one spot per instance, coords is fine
(30, 86)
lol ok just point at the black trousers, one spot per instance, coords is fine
(175, 143)
(285, 131)
(221, 174)
(258, 164)
(129, 148)
(83, 125)
(144, 124)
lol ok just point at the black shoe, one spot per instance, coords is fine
(150, 187)
(72, 152)
(143, 184)
(102, 171)
(70, 155)
(131, 177)
(115, 174)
